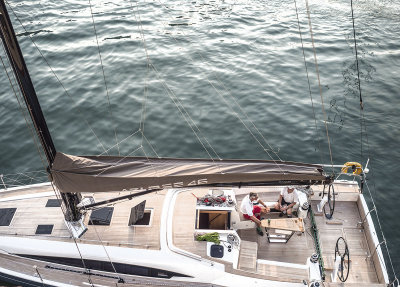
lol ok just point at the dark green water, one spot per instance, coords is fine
(214, 79)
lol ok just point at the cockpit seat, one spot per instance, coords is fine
(239, 222)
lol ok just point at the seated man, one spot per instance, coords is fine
(287, 199)
(251, 211)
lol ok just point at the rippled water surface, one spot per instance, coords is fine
(213, 79)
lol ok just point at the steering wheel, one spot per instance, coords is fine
(331, 200)
(342, 250)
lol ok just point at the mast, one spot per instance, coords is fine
(23, 78)
(25, 83)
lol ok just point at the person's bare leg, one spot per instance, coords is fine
(258, 223)
(276, 206)
(264, 214)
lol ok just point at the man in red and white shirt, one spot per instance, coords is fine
(252, 211)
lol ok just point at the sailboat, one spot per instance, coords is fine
(140, 221)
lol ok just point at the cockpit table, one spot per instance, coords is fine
(281, 230)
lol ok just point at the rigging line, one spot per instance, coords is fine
(355, 48)
(308, 81)
(148, 160)
(191, 120)
(319, 83)
(183, 112)
(104, 77)
(131, 135)
(18, 177)
(121, 159)
(150, 145)
(23, 111)
(144, 106)
(361, 133)
(55, 75)
(30, 128)
(10, 178)
(228, 93)
(380, 227)
(72, 236)
(167, 88)
(241, 120)
(16, 182)
(370, 193)
(238, 115)
(244, 124)
(102, 244)
(358, 81)
(177, 99)
(19, 173)
(363, 124)
(27, 176)
(144, 103)
(232, 97)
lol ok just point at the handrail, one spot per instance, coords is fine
(361, 223)
(394, 283)
(376, 247)
(380, 228)
(22, 179)
(1, 176)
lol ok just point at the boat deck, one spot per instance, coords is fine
(32, 212)
(267, 257)
(301, 245)
(258, 258)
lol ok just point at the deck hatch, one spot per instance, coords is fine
(137, 213)
(6, 215)
(53, 203)
(101, 216)
(44, 229)
(213, 219)
(146, 220)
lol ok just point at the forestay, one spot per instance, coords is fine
(77, 174)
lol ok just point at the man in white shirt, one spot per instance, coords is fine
(287, 199)
(252, 211)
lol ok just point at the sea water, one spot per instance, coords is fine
(213, 79)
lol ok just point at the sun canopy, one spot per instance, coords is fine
(75, 174)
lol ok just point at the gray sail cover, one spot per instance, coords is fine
(111, 173)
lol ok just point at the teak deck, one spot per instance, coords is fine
(117, 233)
(300, 246)
(263, 258)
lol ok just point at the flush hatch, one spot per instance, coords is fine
(6, 215)
(101, 216)
(44, 229)
(53, 203)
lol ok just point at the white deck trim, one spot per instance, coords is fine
(28, 196)
(282, 264)
(166, 232)
(25, 186)
(375, 239)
